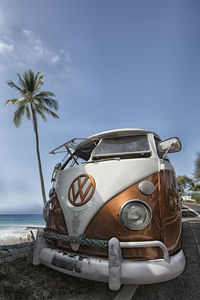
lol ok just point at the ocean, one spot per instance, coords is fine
(13, 227)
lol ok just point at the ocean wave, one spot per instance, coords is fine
(20, 226)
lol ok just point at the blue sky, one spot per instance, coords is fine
(112, 64)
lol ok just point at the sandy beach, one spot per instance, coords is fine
(16, 228)
(19, 238)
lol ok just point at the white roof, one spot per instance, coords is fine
(122, 132)
(107, 134)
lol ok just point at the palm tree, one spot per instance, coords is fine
(33, 102)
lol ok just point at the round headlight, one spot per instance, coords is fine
(135, 214)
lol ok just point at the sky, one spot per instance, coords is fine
(111, 64)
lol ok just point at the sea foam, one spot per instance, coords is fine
(18, 234)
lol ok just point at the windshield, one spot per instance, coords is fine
(122, 145)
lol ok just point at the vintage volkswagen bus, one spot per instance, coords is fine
(114, 214)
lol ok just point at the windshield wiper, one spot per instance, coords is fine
(103, 159)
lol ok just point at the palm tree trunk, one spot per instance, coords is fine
(38, 154)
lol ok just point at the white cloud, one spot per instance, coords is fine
(39, 50)
(30, 47)
(5, 48)
(55, 59)
(66, 54)
(27, 32)
(21, 65)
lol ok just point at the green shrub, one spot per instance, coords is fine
(196, 197)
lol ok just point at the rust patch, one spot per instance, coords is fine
(66, 263)
(56, 221)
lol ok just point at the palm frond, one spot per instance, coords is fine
(39, 82)
(21, 82)
(28, 79)
(27, 111)
(14, 101)
(13, 85)
(47, 110)
(50, 102)
(39, 111)
(36, 76)
(36, 81)
(31, 78)
(45, 94)
(18, 115)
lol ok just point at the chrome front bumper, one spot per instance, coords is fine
(113, 270)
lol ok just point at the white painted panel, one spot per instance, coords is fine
(111, 177)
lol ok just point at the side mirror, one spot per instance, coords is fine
(170, 145)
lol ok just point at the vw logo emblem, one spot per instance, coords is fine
(81, 189)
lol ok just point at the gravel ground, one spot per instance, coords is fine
(21, 280)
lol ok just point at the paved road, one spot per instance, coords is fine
(186, 286)
(196, 207)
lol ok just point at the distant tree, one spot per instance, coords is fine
(33, 102)
(197, 168)
(184, 183)
(195, 187)
(196, 192)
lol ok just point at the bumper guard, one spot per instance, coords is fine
(113, 270)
